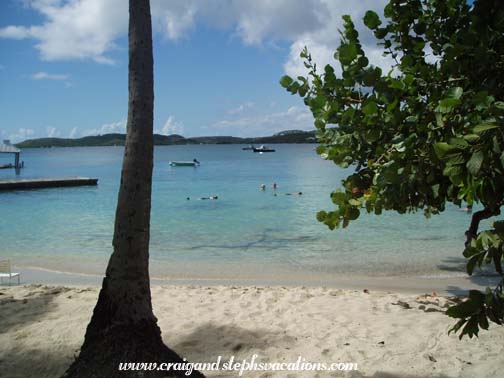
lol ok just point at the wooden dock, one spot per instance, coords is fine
(46, 183)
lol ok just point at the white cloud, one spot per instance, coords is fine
(241, 108)
(18, 32)
(21, 135)
(74, 29)
(108, 128)
(53, 132)
(278, 20)
(88, 29)
(171, 126)
(46, 76)
(73, 133)
(322, 43)
(295, 117)
(173, 19)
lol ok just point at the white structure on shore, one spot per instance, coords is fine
(7, 148)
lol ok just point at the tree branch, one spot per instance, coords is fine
(353, 100)
(477, 217)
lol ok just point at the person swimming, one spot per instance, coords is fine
(196, 161)
(294, 194)
(262, 187)
(209, 198)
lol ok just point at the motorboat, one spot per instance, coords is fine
(193, 163)
(263, 148)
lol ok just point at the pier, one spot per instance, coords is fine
(7, 148)
(46, 183)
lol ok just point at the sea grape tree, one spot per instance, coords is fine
(428, 132)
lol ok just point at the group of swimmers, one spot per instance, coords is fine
(262, 188)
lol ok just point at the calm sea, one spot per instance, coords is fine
(246, 232)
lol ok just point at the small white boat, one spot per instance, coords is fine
(193, 163)
(263, 148)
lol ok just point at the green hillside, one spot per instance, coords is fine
(291, 136)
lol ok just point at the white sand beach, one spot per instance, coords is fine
(387, 334)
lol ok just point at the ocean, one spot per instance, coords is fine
(246, 232)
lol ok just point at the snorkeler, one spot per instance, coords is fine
(294, 194)
(209, 198)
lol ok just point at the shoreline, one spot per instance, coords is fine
(443, 285)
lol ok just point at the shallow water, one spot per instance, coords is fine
(244, 232)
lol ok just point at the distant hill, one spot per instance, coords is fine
(290, 136)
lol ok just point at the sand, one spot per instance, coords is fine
(387, 334)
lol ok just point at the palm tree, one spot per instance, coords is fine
(123, 327)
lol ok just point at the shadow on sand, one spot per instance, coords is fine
(483, 277)
(209, 341)
(20, 360)
(16, 312)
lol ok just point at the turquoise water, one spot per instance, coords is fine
(245, 231)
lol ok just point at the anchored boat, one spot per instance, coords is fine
(193, 163)
(263, 148)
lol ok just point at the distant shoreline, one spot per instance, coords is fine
(289, 136)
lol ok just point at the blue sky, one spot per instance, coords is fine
(63, 64)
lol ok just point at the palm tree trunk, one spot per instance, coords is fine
(123, 327)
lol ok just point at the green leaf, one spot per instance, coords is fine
(321, 216)
(371, 76)
(446, 105)
(455, 93)
(285, 81)
(455, 158)
(347, 53)
(459, 143)
(475, 162)
(471, 264)
(471, 137)
(463, 310)
(484, 127)
(370, 109)
(442, 148)
(354, 202)
(435, 190)
(352, 213)
(483, 321)
(293, 88)
(371, 20)
(380, 33)
(338, 197)
(319, 124)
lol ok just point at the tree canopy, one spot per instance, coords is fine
(428, 132)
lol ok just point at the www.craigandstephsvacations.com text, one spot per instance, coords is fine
(240, 366)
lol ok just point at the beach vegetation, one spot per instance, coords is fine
(427, 132)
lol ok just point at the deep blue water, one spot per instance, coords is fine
(245, 229)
